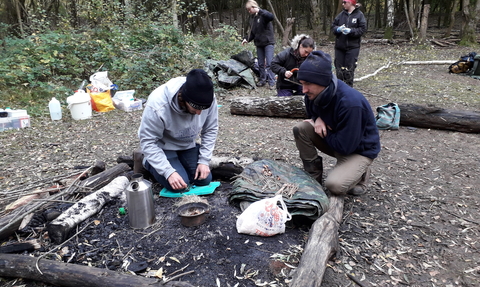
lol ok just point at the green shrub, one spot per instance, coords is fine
(139, 54)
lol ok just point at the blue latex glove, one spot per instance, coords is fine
(340, 29)
(345, 31)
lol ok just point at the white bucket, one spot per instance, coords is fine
(80, 105)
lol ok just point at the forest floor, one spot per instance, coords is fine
(417, 225)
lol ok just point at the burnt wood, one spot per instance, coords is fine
(10, 222)
(18, 247)
(60, 228)
(65, 274)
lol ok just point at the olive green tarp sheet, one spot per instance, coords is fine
(264, 178)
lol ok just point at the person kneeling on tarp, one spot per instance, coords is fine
(176, 113)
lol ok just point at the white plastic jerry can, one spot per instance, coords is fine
(55, 109)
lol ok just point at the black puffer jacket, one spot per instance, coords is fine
(261, 29)
(282, 62)
(355, 21)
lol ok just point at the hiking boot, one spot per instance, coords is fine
(272, 87)
(314, 168)
(361, 187)
(260, 84)
(357, 190)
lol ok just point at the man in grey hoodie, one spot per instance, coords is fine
(176, 114)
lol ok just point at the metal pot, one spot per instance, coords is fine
(193, 214)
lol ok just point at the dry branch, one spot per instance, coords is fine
(12, 221)
(65, 274)
(321, 245)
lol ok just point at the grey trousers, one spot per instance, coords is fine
(348, 170)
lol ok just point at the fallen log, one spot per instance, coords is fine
(65, 274)
(437, 118)
(59, 229)
(288, 107)
(410, 115)
(322, 244)
(103, 178)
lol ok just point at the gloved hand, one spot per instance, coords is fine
(346, 31)
(341, 28)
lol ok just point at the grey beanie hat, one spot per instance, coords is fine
(316, 69)
(198, 90)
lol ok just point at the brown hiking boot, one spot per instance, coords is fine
(361, 187)
(314, 168)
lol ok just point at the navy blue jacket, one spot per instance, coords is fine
(261, 29)
(355, 21)
(349, 114)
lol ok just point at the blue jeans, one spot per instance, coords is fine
(265, 57)
(185, 163)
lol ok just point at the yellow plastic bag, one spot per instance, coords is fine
(101, 101)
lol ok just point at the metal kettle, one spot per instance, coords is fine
(141, 211)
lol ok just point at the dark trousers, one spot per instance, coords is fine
(185, 163)
(345, 64)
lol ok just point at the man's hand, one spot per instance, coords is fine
(176, 181)
(202, 171)
(244, 41)
(346, 31)
(321, 127)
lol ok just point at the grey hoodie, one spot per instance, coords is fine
(165, 126)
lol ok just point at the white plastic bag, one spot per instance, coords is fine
(264, 217)
(100, 82)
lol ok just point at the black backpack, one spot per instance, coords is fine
(463, 65)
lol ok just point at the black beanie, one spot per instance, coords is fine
(316, 69)
(198, 90)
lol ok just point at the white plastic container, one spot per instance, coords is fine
(55, 109)
(80, 105)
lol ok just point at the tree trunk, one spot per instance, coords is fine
(174, 13)
(390, 20)
(424, 24)
(280, 27)
(72, 275)
(452, 18)
(315, 16)
(322, 244)
(286, 34)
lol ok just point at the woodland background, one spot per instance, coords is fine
(49, 47)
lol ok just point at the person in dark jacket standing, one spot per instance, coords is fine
(285, 63)
(341, 124)
(261, 32)
(348, 27)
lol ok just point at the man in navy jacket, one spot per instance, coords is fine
(341, 124)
